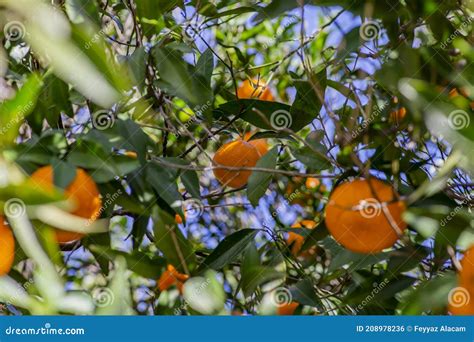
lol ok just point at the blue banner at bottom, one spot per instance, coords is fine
(243, 328)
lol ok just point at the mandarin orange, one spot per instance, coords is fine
(82, 190)
(7, 248)
(260, 144)
(236, 153)
(461, 301)
(356, 218)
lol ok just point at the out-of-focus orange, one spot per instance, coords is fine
(356, 219)
(256, 88)
(397, 116)
(295, 240)
(287, 309)
(238, 153)
(461, 299)
(312, 183)
(82, 190)
(260, 144)
(171, 277)
(7, 248)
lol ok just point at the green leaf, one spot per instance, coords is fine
(304, 293)
(431, 295)
(262, 113)
(205, 65)
(259, 181)
(14, 111)
(137, 262)
(311, 159)
(164, 181)
(274, 9)
(169, 240)
(181, 79)
(64, 173)
(229, 249)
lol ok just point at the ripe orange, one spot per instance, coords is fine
(82, 190)
(462, 300)
(7, 248)
(260, 144)
(171, 277)
(287, 309)
(398, 115)
(178, 219)
(236, 153)
(296, 241)
(355, 218)
(254, 89)
(312, 183)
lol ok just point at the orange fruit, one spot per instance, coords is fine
(356, 219)
(461, 301)
(82, 190)
(7, 248)
(287, 309)
(171, 277)
(178, 219)
(295, 240)
(312, 183)
(236, 153)
(255, 89)
(130, 154)
(260, 144)
(398, 115)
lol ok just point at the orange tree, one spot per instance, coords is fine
(236, 157)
